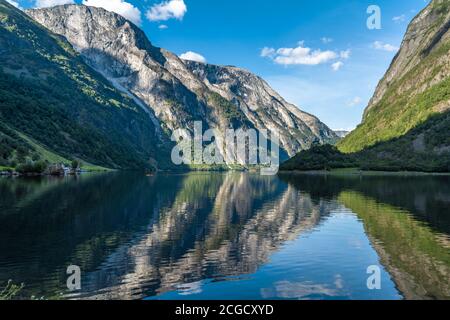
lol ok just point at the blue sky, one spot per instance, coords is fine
(319, 55)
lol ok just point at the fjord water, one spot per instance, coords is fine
(226, 236)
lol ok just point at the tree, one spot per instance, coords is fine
(76, 164)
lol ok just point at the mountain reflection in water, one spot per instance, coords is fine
(226, 236)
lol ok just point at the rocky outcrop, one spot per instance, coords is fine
(179, 92)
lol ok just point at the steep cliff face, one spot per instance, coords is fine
(179, 92)
(121, 52)
(425, 33)
(264, 107)
(54, 107)
(416, 86)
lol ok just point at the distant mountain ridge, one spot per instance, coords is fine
(341, 133)
(180, 92)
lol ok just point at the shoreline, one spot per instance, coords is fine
(358, 172)
(34, 175)
(334, 172)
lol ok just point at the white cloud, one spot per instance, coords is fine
(172, 9)
(193, 57)
(14, 3)
(326, 40)
(125, 9)
(268, 52)
(354, 102)
(52, 3)
(337, 65)
(400, 18)
(163, 27)
(300, 55)
(345, 54)
(384, 46)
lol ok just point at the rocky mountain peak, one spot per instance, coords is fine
(180, 92)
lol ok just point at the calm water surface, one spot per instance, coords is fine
(227, 236)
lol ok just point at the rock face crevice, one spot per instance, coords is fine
(180, 92)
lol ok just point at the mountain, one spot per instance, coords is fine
(180, 92)
(55, 107)
(341, 133)
(406, 125)
(415, 88)
(264, 107)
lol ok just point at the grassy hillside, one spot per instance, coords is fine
(416, 87)
(407, 123)
(421, 149)
(53, 106)
(400, 111)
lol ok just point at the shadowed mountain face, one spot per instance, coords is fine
(180, 92)
(413, 92)
(54, 106)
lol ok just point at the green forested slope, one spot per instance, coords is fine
(406, 125)
(421, 149)
(416, 86)
(51, 99)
